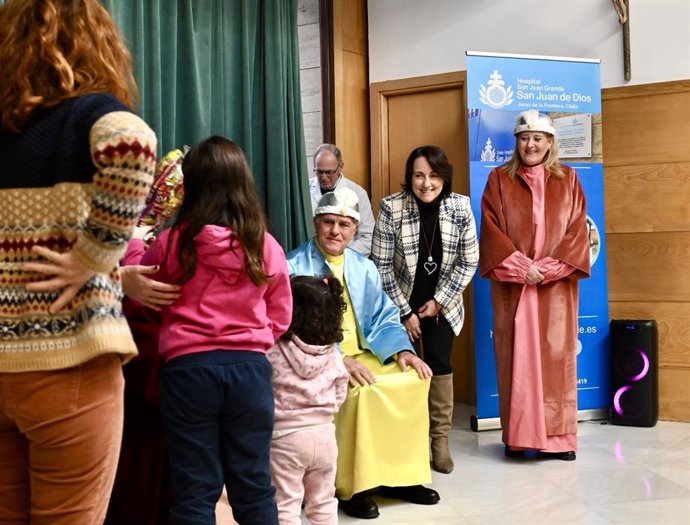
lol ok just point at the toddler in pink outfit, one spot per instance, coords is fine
(309, 386)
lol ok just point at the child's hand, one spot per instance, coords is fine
(140, 232)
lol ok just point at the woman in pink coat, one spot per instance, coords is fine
(534, 247)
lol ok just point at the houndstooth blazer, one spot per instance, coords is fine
(395, 250)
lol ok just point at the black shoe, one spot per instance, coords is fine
(360, 506)
(415, 494)
(564, 456)
(514, 453)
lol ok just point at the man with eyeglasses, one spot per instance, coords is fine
(328, 171)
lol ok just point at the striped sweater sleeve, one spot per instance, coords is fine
(123, 150)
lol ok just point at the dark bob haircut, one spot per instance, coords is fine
(317, 310)
(438, 161)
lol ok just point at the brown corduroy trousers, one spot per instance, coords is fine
(60, 434)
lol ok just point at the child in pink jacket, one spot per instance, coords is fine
(309, 386)
(235, 302)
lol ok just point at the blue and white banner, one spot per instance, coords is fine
(569, 90)
(520, 83)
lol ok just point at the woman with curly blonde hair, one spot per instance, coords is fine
(76, 167)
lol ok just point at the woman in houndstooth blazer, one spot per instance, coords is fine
(425, 247)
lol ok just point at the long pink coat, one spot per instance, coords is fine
(508, 226)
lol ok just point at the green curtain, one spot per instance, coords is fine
(231, 68)
(227, 67)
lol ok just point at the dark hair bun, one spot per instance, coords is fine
(317, 311)
(334, 286)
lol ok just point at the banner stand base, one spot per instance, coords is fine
(485, 423)
(494, 423)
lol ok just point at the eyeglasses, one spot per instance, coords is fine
(328, 173)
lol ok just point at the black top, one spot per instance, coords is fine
(35, 159)
(426, 276)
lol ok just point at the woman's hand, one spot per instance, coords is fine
(359, 374)
(429, 309)
(63, 271)
(414, 331)
(407, 358)
(145, 290)
(534, 276)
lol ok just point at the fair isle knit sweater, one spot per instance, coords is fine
(75, 179)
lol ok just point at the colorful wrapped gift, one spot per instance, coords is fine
(166, 192)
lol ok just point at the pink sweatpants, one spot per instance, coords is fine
(303, 467)
(60, 434)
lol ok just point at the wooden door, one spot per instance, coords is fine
(414, 112)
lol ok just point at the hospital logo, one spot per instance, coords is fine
(488, 153)
(496, 95)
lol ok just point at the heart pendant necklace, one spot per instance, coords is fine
(430, 265)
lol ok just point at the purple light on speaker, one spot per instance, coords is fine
(618, 451)
(647, 487)
(645, 367)
(617, 399)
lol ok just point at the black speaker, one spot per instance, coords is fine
(635, 374)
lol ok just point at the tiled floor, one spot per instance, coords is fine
(622, 475)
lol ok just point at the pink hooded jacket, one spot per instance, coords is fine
(220, 307)
(309, 384)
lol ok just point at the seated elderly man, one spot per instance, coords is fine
(382, 429)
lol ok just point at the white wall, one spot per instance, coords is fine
(409, 38)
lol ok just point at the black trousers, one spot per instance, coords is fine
(218, 416)
(436, 344)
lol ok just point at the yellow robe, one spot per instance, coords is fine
(382, 429)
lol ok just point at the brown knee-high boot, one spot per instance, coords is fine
(440, 418)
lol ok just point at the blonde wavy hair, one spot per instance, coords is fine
(55, 50)
(551, 163)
